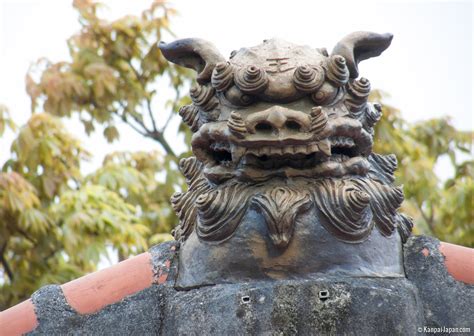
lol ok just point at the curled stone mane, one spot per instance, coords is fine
(351, 205)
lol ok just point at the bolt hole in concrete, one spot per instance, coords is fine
(246, 299)
(323, 295)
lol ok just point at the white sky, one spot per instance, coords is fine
(428, 69)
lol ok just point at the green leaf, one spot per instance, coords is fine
(111, 133)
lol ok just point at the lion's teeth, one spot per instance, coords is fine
(324, 147)
(342, 142)
(253, 151)
(300, 149)
(275, 151)
(313, 148)
(287, 150)
(321, 146)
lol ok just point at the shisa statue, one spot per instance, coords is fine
(290, 223)
(284, 183)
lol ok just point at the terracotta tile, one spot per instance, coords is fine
(18, 319)
(97, 290)
(459, 261)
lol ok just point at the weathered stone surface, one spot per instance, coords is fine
(164, 262)
(322, 304)
(300, 307)
(304, 307)
(258, 258)
(52, 309)
(138, 314)
(446, 302)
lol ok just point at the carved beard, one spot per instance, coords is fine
(281, 205)
(351, 206)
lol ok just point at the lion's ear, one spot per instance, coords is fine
(360, 46)
(193, 53)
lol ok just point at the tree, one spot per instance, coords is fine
(55, 223)
(114, 76)
(443, 209)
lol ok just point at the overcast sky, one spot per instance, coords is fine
(428, 69)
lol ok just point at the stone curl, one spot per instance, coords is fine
(204, 97)
(337, 71)
(222, 76)
(359, 89)
(251, 79)
(373, 115)
(236, 125)
(190, 116)
(308, 78)
(319, 120)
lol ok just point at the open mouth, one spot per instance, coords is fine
(304, 156)
(252, 158)
(220, 153)
(297, 161)
(343, 148)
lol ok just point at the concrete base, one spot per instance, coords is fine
(311, 307)
(428, 297)
(307, 307)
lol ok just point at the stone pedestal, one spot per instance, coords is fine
(322, 306)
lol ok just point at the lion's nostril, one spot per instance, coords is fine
(263, 127)
(293, 125)
(278, 120)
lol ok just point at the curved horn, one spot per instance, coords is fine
(193, 53)
(360, 46)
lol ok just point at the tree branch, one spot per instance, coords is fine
(139, 77)
(428, 220)
(150, 113)
(170, 116)
(158, 136)
(139, 131)
(155, 135)
(24, 234)
(5, 264)
(123, 116)
(148, 101)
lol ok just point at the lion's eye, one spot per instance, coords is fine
(237, 98)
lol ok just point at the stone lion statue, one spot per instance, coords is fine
(284, 182)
